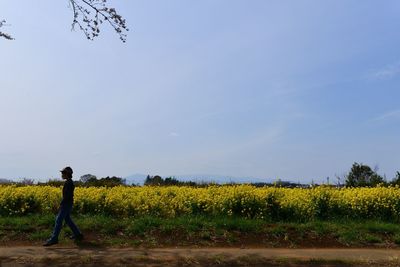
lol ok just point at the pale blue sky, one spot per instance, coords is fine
(296, 90)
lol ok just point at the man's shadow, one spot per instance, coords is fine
(86, 243)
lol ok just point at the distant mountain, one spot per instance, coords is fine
(198, 178)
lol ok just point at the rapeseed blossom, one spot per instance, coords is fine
(234, 200)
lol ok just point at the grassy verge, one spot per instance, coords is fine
(203, 231)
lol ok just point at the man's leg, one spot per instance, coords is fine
(72, 225)
(58, 224)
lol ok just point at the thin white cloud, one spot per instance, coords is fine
(394, 114)
(387, 72)
(173, 134)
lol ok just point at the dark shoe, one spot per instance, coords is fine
(77, 238)
(50, 243)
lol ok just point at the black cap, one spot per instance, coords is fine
(67, 170)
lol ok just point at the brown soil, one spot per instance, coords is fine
(232, 239)
(93, 256)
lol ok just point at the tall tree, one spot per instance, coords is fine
(87, 178)
(396, 180)
(363, 175)
(89, 15)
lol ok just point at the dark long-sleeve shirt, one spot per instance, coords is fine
(68, 193)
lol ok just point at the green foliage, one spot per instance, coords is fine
(107, 181)
(396, 180)
(196, 229)
(88, 177)
(87, 180)
(159, 181)
(363, 175)
(53, 182)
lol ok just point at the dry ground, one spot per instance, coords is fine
(92, 256)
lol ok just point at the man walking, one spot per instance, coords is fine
(65, 210)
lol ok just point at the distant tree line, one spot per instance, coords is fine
(159, 181)
(89, 180)
(360, 175)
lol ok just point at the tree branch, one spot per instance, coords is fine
(89, 15)
(2, 34)
(90, 24)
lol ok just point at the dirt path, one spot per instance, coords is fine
(73, 256)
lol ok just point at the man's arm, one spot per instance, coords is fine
(67, 193)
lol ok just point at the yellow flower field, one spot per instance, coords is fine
(238, 200)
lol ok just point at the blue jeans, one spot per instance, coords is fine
(64, 213)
